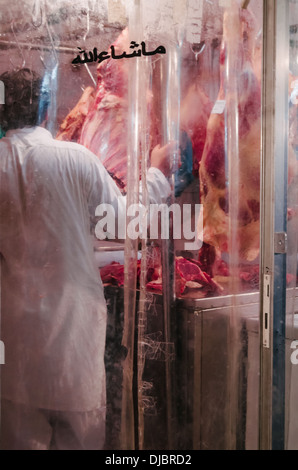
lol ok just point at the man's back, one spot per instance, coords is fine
(53, 310)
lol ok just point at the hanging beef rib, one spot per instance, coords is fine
(71, 127)
(194, 114)
(214, 185)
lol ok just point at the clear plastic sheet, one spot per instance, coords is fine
(292, 201)
(178, 337)
(54, 369)
(165, 400)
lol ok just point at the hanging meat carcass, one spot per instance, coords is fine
(194, 114)
(71, 127)
(105, 128)
(213, 177)
(99, 121)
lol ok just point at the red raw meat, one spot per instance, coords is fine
(99, 119)
(293, 112)
(112, 274)
(105, 128)
(239, 30)
(189, 270)
(250, 274)
(71, 127)
(189, 275)
(207, 257)
(194, 114)
(155, 285)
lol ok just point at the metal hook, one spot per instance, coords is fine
(88, 24)
(37, 13)
(197, 48)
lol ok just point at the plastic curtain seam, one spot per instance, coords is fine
(129, 419)
(232, 19)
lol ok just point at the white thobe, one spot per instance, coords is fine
(53, 310)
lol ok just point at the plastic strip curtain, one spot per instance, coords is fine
(21, 53)
(20, 56)
(135, 113)
(170, 98)
(291, 397)
(157, 346)
(242, 75)
(232, 30)
(49, 85)
(156, 313)
(148, 77)
(50, 63)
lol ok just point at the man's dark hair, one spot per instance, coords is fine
(22, 93)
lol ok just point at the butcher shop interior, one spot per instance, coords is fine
(199, 276)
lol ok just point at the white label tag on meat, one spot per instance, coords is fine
(219, 107)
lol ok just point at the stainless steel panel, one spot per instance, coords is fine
(206, 380)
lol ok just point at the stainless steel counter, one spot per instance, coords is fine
(201, 384)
